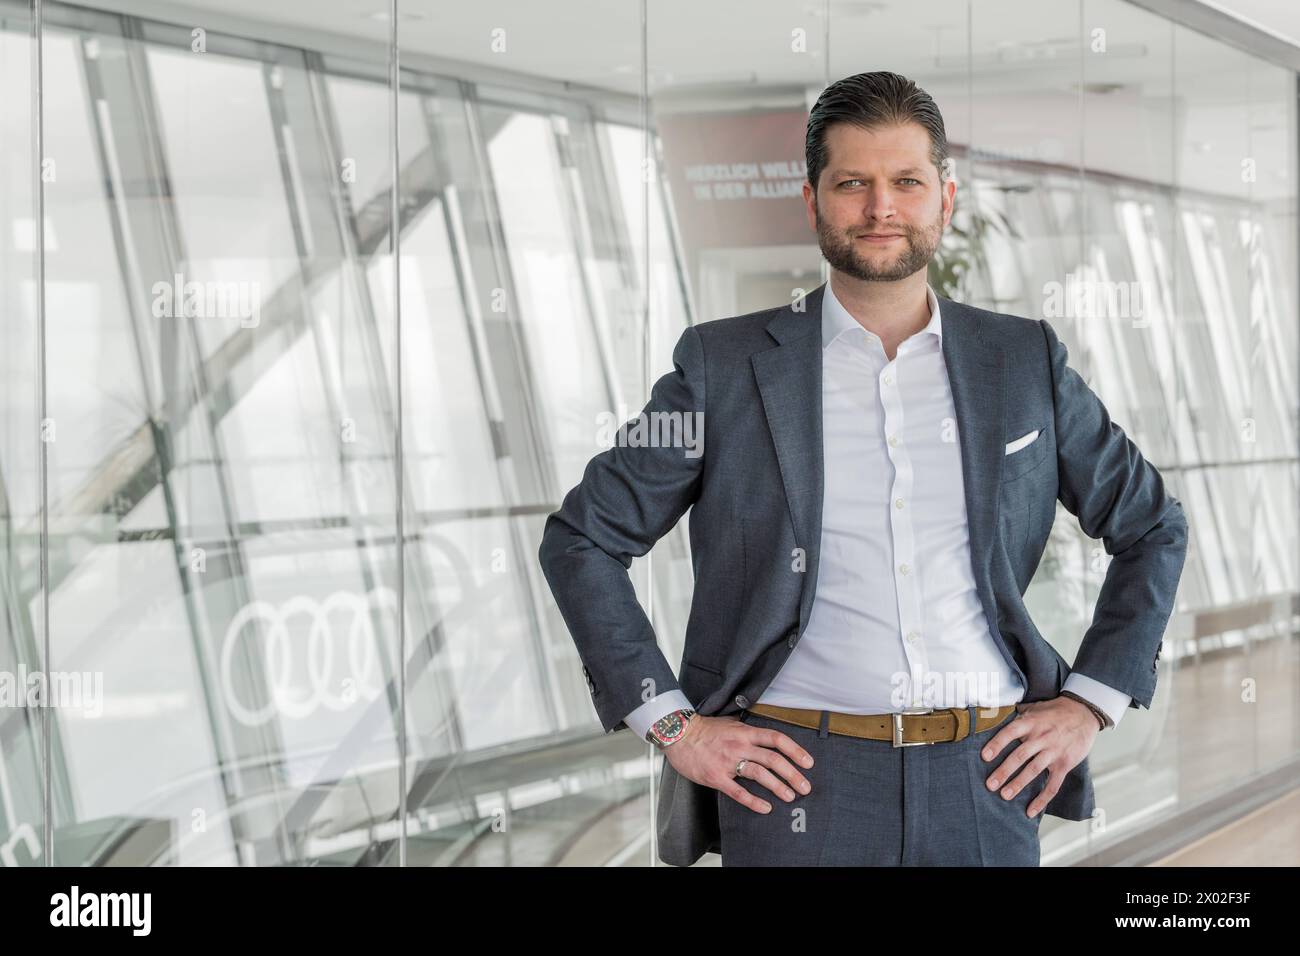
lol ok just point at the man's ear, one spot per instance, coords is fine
(949, 187)
(810, 204)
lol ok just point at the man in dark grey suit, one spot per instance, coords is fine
(878, 480)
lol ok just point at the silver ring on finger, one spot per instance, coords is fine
(740, 767)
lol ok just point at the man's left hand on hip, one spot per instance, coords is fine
(1055, 736)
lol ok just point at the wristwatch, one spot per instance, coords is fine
(667, 730)
(1102, 717)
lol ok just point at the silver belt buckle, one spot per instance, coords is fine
(898, 727)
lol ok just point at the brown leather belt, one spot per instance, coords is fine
(910, 728)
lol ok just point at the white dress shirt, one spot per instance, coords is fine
(896, 621)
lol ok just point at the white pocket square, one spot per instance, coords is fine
(1021, 442)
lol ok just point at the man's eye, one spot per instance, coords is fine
(906, 180)
(847, 181)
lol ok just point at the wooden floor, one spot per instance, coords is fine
(1221, 739)
(1270, 836)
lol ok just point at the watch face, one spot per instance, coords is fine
(668, 728)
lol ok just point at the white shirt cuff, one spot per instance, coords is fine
(643, 718)
(1112, 702)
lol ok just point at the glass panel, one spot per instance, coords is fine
(1157, 211)
(23, 735)
(523, 324)
(1237, 166)
(225, 556)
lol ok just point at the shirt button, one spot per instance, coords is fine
(898, 502)
(911, 636)
(893, 439)
(889, 380)
(903, 568)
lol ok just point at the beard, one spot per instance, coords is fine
(841, 250)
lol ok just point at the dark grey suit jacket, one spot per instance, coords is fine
(756, 495)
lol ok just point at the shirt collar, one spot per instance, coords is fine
(836, 320)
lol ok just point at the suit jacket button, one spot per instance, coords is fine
(742, 701)
(793, 639)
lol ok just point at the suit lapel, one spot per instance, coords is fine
(789, 378)
(977, 376)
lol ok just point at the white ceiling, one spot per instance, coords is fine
(1279, 17)
(737, 54)
(733, 42)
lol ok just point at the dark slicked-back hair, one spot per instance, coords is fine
(869, 101)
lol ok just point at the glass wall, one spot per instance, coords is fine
(329, 313)
(24, 791)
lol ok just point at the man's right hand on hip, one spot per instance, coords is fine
(711, 747)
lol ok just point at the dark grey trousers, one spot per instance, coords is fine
(873, 804)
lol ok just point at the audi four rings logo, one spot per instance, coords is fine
(341, 663)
